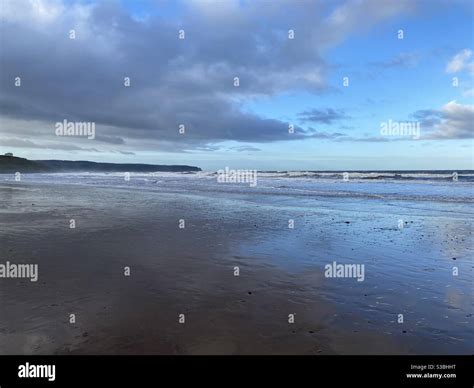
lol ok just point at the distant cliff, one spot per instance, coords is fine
(12, 164)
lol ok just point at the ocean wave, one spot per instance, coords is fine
(464, 176)
(416, 186)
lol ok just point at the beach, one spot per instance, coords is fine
(184, 240)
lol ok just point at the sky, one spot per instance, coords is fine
(267, 85)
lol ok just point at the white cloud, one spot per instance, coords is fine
(461, 62)
(353, 17)
(31, 11)
(457, 122)
(469, 93)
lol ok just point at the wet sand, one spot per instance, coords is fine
(190, 271)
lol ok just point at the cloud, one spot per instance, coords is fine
(453, 121)
(21, 143)
(468, 93)
(173, 81)
(110, 139)
(401, 60)
(245, 148)
(461, 61)
(325, 135)
(324, 116)
(126, 152)
(360, 16)
(428, 118)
